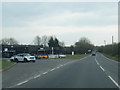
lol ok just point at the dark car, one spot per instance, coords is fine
(93, 54)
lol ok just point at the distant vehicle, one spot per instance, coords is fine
(93, 54)
(56, 56)
(61, 56)
(53, 56)
(41, 56)
(26, 57)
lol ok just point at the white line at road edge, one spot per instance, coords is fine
(108, 75)
(109, 59)
(23, 82)
(114, 82)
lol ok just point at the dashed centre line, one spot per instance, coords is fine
(45, 72)
(37, 76)
(52, 69)
(102, 68)
(58, 67)
(61, 65)
(23, 82)
(40, 74)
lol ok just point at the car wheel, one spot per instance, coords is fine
(16, 60)
(33, 61)
(11, 60)
(25, 60)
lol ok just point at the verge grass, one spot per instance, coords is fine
(77, 56)
(112, 57)
(5, 64)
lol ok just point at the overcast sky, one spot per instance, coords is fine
(68, 21)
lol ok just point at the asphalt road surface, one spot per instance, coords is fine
(89, 72)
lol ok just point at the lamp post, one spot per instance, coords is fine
(52, 50)
(105, 42)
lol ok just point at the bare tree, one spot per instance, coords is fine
(62, 44)
(37, 40)
(44, 40)
(8, 41)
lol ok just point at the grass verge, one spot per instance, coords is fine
(5, 64)
(112, 57)
(77, 56)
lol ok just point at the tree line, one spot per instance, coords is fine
(111, 49)
(80, 47)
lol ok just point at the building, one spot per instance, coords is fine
(10, 50)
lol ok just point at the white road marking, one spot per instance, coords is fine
(58, 67)
(52, 69)
(37, 76)
(84, 58)
(61, 65)
(102, 68)
(108, 75)
(45, 72)
(97, 61)
(114, 82)
(98, 64)
(23, 82)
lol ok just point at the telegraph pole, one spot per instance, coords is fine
(112, 40)
(112, 43)
(52, 51)
(105, 42)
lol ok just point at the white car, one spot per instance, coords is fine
(57, 56)
(23, 57)
(53, 56)
(62, 56)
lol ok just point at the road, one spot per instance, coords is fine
(89, 72)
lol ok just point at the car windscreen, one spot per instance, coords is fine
(24, 54)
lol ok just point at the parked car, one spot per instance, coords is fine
(56, 56)
(62, 56)
(26, 57)
(41, 56)
(12, 58)
(52, 56)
